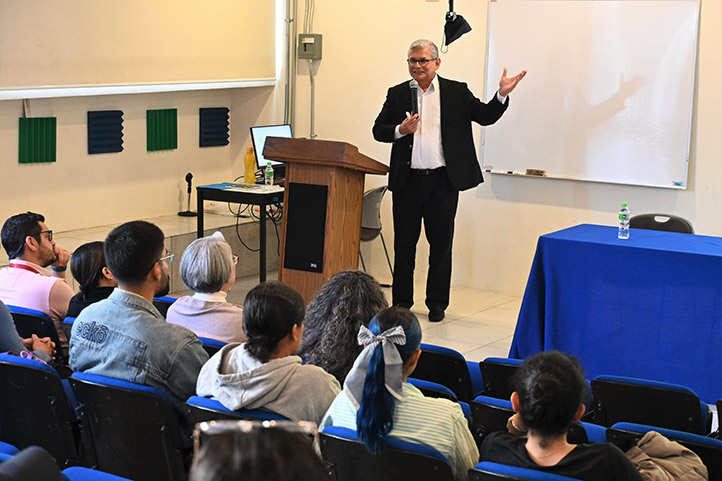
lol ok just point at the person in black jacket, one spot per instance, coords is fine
(433, 157)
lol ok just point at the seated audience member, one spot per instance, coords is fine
(378, 403)
(258, 455)
(208, 268)
(11, 342)
(27, 283)
(548, 397)
(345, 303)
(94, 278)
(124, 336)
(263, 373)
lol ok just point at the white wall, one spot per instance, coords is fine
(498, 223)
(81, 190)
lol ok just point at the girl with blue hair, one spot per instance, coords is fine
(377, 402)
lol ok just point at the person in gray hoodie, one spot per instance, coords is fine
(263, 372)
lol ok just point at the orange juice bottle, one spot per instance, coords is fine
(249, 166)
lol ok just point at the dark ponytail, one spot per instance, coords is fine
(374, 419)
(270, 311)
(87, 264)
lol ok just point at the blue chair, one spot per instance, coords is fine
(163, 303)
(199, 409)
(68, 326)
(37, 463)
(134, 428)
(625, 435)
(488, 415)
(497, 373)
(211, 346)
(30, 321)
(8, 449)
(449, 367)
(35, 409)
(488, 471)
(349, 460)
(626, 399)
(77, 473)
(432, 389)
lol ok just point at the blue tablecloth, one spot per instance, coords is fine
(649, 306)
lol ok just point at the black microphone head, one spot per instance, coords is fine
(414, 84)
(189, 177)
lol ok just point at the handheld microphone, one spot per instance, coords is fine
(414, 96)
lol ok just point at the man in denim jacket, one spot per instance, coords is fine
(124, 336)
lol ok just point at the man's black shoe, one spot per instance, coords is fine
(436, 314)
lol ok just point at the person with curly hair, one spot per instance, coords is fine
(345, 303)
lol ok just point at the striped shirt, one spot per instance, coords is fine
(437, 423)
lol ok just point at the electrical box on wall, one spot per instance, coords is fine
(309, 46)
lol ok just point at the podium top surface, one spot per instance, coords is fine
(321, 152)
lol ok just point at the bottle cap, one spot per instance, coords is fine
(249, 150)
(268, 163)
(624, 204)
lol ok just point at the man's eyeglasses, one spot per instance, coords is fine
(48, 232)
(168, 258)
(421, 61)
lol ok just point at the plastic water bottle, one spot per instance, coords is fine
(624, 222)
(268, 174)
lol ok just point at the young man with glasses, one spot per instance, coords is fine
(35, 278)
(125, 336)
(432, 158)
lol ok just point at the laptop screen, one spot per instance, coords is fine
(259, 135)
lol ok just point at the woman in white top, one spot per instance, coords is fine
(208, 268)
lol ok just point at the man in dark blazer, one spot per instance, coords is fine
(433, 157)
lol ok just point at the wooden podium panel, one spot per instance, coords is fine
(342, 169)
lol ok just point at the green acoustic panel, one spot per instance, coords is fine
(37, 140)
(162, 128)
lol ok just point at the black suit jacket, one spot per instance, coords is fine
(459, 108)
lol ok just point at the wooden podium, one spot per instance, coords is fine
(323, 202)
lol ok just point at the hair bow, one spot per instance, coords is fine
(393, 365)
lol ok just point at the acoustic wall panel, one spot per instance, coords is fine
(38, 138)
(162, 129)
(213, 126)
(105, 131)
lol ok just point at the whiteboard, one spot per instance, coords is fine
(608, 96)
(76, 43)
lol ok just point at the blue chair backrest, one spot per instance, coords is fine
(35, 408)
(77, 473)
(644, 401)
(445, 366)
(502, 471)
(497, 373)
(163, 303)
(212, 407)
(120, 383)
(488, 415)
(211, 346)
(432, 389)
(8, 449)
(349, 460)
(135, 430)
(25, 310)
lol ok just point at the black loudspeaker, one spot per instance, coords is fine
(305, 227)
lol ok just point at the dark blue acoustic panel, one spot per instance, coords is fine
(213, 126)
(105, 131)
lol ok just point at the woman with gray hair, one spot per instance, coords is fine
(208, 268)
